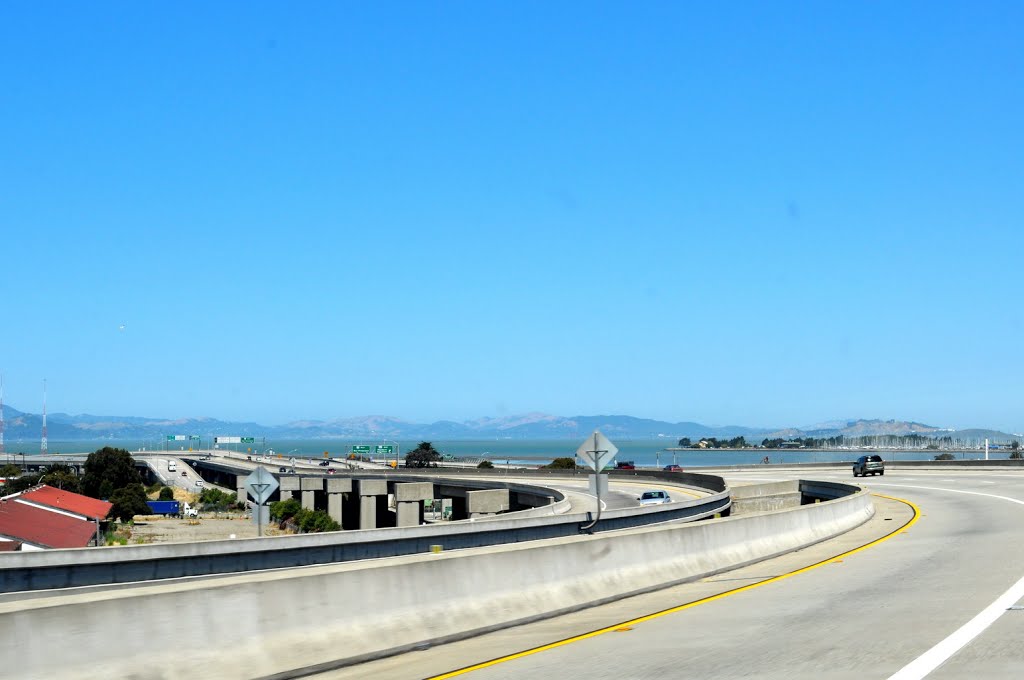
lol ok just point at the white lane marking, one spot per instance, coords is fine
(937, 655)
(604, 506)
(969, 493)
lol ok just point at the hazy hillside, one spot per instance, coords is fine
(62, 426)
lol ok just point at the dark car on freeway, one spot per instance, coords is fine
(865, 465)
(672, 468)
(324, 463)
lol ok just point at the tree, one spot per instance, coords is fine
(945, 456)
(424, 455)
(108, 470)
(684, 443)
(22, 483)
(62, 477)
(129, 501)
(167, 494)
(10, 470)
(485, 465)
(562, 464)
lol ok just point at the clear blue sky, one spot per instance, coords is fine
(766, 214)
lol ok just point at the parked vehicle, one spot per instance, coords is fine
(655, 497)
(165, 508)
(865, 465)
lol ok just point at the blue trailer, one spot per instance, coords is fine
(165, 508)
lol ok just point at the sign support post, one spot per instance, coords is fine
(597, 451)
(260, 485)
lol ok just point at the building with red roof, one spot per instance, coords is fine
(74, 503)
(38, 528)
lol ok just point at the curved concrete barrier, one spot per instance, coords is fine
(288, 622)
(49, 569)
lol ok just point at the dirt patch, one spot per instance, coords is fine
(212, 527)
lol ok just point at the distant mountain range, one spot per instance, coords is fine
(20, 426)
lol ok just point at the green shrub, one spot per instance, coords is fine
(562, 464)
(485, 465)
(282, 510)
(167, 494)
(215, 499)
(1016, 455)
(314, 521)
(945, 456)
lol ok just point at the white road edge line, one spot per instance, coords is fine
(940, 653)
(937, 655)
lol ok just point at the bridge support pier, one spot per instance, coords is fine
(240, 493)
(335, 490)
(487, 502)
(310, 485)
(409, 497)
(372, 494)
(289, 485)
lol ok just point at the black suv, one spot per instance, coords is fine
(869, 465)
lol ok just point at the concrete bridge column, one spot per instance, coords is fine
(409, 497)
(335, 489)
(240, 493)
(289, 485)
(372, 492)
(310, 485)
(486, 502)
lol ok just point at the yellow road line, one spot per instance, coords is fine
(688, 605)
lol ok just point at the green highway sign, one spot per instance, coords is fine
(193, 437)
(385, 449)
(360, 449)
(248, 440)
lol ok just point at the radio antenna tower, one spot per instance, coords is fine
(42, 444)
(1, 413)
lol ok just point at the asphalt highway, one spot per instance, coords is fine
(928, 588)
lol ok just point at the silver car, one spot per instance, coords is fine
(655, 497)
(869, 465)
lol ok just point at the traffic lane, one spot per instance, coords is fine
(437, 661)
(867, 616)
(624, 494)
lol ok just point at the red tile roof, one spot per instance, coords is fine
(29, 524)
(67, 501)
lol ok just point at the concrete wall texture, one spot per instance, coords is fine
(279, 621)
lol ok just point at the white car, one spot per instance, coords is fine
(199, 482)
(655, 497)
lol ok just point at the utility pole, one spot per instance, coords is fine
(42, 444)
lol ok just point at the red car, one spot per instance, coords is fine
(673, 468)
(625, 465)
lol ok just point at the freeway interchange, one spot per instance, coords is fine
(928, 585)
